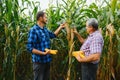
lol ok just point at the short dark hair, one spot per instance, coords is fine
(93, 22)
(39, 14)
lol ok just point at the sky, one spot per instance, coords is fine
(44, 3)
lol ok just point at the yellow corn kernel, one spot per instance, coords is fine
(75, 53)
(82, 55)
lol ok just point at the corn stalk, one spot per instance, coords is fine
(109, 57)
(110, 31)
(14, 33)
(70, 37)
(71, 10)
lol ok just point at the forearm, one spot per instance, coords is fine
(80, 38)
(57, 31)
(91, 58)
(35, 51)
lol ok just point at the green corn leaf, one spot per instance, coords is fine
(113, 5)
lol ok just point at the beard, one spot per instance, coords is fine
(44, 22)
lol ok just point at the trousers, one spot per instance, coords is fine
(41, 71)
(89, 71)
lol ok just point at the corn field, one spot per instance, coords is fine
(15, 61)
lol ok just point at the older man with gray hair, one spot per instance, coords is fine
(92, 48)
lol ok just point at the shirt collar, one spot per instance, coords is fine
(93, 33)
(40, 27)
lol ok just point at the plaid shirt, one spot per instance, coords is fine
(39, 39)
(93, 44)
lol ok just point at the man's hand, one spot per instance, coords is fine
(75, 31)
(62, 26)
(46, 52)
(78, 35)
(78, 58)
(59, 28)
(35, 51)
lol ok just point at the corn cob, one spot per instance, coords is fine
(52, 51)
(78, 53)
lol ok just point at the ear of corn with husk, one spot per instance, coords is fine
(110, 29)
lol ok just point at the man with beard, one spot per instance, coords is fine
(38, 40)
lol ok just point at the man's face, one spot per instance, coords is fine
(88, 28)
(44, 19)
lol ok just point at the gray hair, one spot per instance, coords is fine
(93, 22)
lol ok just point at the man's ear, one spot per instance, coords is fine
(40, 18)
(91, 27)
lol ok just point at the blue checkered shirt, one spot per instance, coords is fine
(39, 39)
(93, 44)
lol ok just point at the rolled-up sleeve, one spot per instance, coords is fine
(96, 45)
(31, 40)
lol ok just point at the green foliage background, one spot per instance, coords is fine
(15, 62)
